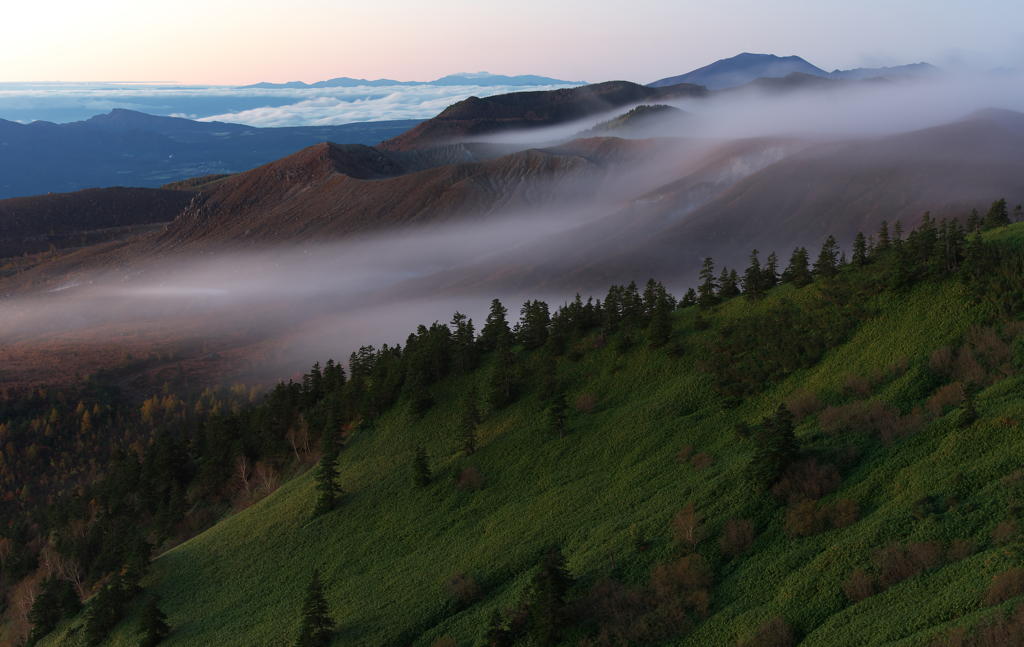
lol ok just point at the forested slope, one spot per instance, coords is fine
(835, 462)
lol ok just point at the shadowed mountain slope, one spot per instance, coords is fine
(474, 117)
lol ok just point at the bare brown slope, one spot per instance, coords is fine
(329, 191)
(522, 110)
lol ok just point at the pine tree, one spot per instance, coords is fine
(776, 449)
(495, 327)
(689, 299)
(970, 269)
(1018, 213)
(973, 222)
(317, 626)
(46, 610)
(753, 278)
(502, 381)
(494, 634)
(771, 272)
(897, 233)
(421, 467)
(153, 623)
(326, 484)
(547, 600)
(799, 272)
(998, 215)
(556, 413)
(661, 320)
(708, 289)
(883, 243)
(860, 250)
(827, 264)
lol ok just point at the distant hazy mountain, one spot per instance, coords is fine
(915, 69)
(478, 78)
(129, 148)
(744, 68)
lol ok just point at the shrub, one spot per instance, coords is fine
(960, 549)
(869, 418)
(995, 632)
(1004, 533)
(462, 588)
(966, 367)
(941, 362)
(586, 403)
(945, 398)
(470, 479)
(774, 633)
(805, 520)
(805, 480)
(845, 512)
(896, 563)
(1004, 586)
(444, 641)
(683, 579)
(860, 586)
(701, 462)
(687, 527)
(684, 454)
(855, 386)
(802, 403)
(737, 536)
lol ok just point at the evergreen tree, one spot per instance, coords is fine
(897, 233)
(970, 269)
(153, 623)
(730, 286)
(997, 215)
(902, 268)
(828, 259)
(326, 484)
(421, 467)
(799, 272)
(661, 320)
(107, 609)
(776, 449)
(771, 272)
(556, 413)
(1018, 213)
(494, 634)
(46, 610)
(317, 626)
(547, 600)
(502, 381)
(463, 343)
(689, 299)
(495, 327)
(860, 250)
(973, 222)
(753, 278)
(883, 243)
(708, 289)
(419, 397)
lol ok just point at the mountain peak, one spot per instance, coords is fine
(740, 69)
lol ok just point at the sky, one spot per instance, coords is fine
(237, 42)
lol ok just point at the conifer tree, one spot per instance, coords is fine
(547, 600)
(799, 272)
(771, 272)
(776, 449)
(828, 259)
(495, 327)
(316, 627)
(421, 467)
(153, 623)
(494, 634)
(973, 222)
(556, 413)
(1018, 213)
(326, 484)
(883, 243)
(661, 321)
(689, 299)
(753, 278)
(502, 381)
(708, 290)
(970, 269)
(860, 250)
(46, 610)
(897, 233)
(997, 215)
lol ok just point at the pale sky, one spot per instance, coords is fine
(237, 42)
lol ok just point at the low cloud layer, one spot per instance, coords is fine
(266, 108)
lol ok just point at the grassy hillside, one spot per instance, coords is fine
(614, 483)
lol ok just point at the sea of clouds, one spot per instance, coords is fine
(265, 108)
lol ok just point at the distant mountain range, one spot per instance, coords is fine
(478, 78)
(129, 148)
(746, 67)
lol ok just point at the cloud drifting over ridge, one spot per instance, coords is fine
(264, 108)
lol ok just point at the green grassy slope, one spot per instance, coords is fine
(386, 554)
